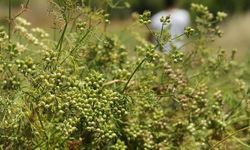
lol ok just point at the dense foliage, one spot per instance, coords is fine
(87, 90)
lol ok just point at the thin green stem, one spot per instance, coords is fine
(136, 69)
(234, 109)
(54, 30)
(37, 113)
(151, 32)
(59, 44)
(162, 28)
(79, 42)
(241, 142)
(229, 136)
(10, 19)
(177, 37)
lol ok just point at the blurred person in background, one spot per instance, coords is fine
(179, 19)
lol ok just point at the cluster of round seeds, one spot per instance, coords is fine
(133, 131)
(119, 145)
(11, 83)
(26, 67)
(216, 107)
(184, 100)
(159, 120)
(177, 56)
(198, 100)
(86, 107)
(50, 56)
(21, 27)
(101, 108)
(22, 21)
(148, 51)
(20, 47)
(221, 16)
(205, 21)
(165, 20)
(176, 76)
(121, 74)
(120, 55)
(57, 81)
(24, 32)
(202, 10)
(188, 31)
(81, 26)
(67, 127)
(148, 140)
(145, 18)
(13, 51)
(40, 32)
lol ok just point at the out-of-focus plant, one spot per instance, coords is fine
(230, 7)
(14, 2)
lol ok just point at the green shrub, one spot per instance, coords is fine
(86, 90)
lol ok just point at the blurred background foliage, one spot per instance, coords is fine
(238, 11)
(229, 6)
(14, 2)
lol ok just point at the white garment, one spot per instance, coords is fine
(179, 19)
